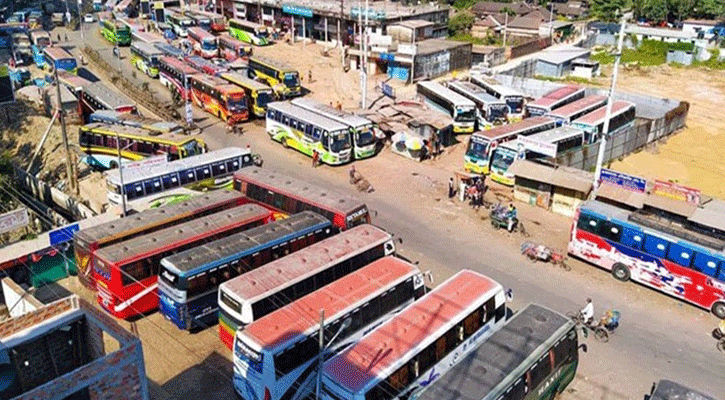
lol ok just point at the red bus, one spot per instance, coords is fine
(218, 24)
(289, 196)
(172, 73)
(205, 66)
(203, 42)
(570, 112)
(87, 241)
(554, 99)
(231, 48)
(126, 273)
(669, 245)
(219, 98)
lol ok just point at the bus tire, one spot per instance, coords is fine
(718, 309)
(113, 164)
(620, 272)
(284, 143)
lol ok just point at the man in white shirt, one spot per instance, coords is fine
(588, 312)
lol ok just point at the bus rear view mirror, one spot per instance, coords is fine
(583, 347)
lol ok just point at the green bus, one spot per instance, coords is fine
(249, 32)
(282, 78)
(534, 356)
(116, 32)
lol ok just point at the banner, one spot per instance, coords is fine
(626, 181)
(14, 219)
(537, 146)
(677, 192)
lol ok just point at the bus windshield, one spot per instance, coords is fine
(515, 103)
(261, 32)
(503, 158)
(365, 136)
(208, 44)
(476, 149)
(192, 148)
(465, 114)
(236, 103)
(264, 97)
(67, 64)
(186, 23)
(497, 111)
(291, 79)
(339, 141)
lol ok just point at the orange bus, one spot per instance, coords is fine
(217, 97)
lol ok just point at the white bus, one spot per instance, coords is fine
(146, 37)
(249, 32)
(621, 117)
(490, 109)
(418, 345)
(440, 98)
(203, 42)
(250, 296)
(179, 23)
(308, 132)
(553, 143)
(146, 58)
(554, 99)
(275, 357)
(514, 99)
(40, 38)
(147, 180)
(570, 112)
(363, 130)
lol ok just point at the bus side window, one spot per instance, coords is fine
(655, 246)
(680, 254)
(705, 263)
(587, 223)
(325, 140)
(610, 231)
(632, 238)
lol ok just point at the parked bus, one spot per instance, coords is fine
(74, 83)
(415, 347)
(203, 42)
(201, 21)
(257, 293)
(249, 32)
(170, 51)
(205, 66)
(197, 170)
(568, 113)
(40, 39)
(34, 19)
(176, 76)
(668, 390)
(290, 195)
(553, 143)
(490, 109)
(680, 255)
(258, 94)
(514, 99)
(459, 108)
(621, 117)
(218, 23)
(179, 23)
(230, 49)
(136, 143)
(481, 145)
(126, 273)
(534, 356)
(146, 58)
(217, 97)
(189, 280)
(309, 132)
(362, 129)
(147, 38)
(275, 355)
(153, 126)
(97, 96)
(283, 79)
(56, 57)
(554, 99)
(87, 241)
(116, 32)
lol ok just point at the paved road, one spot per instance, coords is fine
(660, 338)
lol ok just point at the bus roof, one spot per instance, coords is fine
(284, 271)
(668, 390)
(574, 107)
(298, 112)
(157, 170)
(57, 53)
(200, 32)
(597, 116)
(72, 81)
(272, 63)
(443, 91)
(139, 246)
(275, 181)
(179, 65)
(241, 80)
(246, 23)
(156, 215)
(221, 251)
(298, 319)
(113, 99)
(475, 91)
(384, 349)
(39, 33)
(147, 37)
(147, 48)
(529, 332)
(136, 120)
(556, 95)
(495, 86)
(340, 116)
(511, 129)
(170, 50)
(557, 134)
(139, 133)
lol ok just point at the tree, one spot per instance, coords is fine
(608, 10)
(711, 8)
(655, 10)
(461, 22)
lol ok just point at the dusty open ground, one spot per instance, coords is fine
(694, 156)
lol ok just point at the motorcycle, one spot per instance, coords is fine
(499, 219)
(720, 337)
(539, 252)
(602, 332)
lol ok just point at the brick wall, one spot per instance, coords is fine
(33, 318)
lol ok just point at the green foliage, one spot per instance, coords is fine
(713, 62)
(608, 10)
(650, 52)
(654, 10)
(463, 4)
(663, 10)
(461, 22)
(468, 38)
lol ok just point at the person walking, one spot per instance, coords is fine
(451, 188)
(309, 76)
(315, 158)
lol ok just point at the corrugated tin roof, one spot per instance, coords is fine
(561, 55)
(569, 178)
(621, 195)
(667, 204)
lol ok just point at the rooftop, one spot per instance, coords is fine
(659, 32)
(430, 46)
(566, 177)
(525, 22)
(414, 23)
(561, 55)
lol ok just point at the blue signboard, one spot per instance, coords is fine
(626, 181)
(62, 235)
(371, 13)
(387, 90)
(297, 10)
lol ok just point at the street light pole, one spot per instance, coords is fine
(344, 325)
(120, 176)
(605, 128)
(80, 19)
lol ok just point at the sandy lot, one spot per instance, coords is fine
(694, 156)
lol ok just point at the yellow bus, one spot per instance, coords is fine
(136, 143)
(283, 79)
(258, 94)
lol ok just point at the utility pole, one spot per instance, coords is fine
(505, 29)
(365, 63)
(68, 159)
(120, 176)
(339, 22)
(605, 128)
(360, 57)
(320, 354)
(81, 20)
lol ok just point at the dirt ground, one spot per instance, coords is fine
(693, 156)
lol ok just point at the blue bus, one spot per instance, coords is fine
(56, 57)
(188, 281)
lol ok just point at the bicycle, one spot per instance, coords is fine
(601, 333)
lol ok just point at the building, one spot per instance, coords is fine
(660, 34)
(490, 56)
(583, 68)
(489, 24)
(524, 26)
(426, 59)
(694, 26)
(557, 62)
(485, 8)
(572, 10)
(57, 351)
(410, 31)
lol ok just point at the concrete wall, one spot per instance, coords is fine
(17, 299)
(545, 68)
(680, 57)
